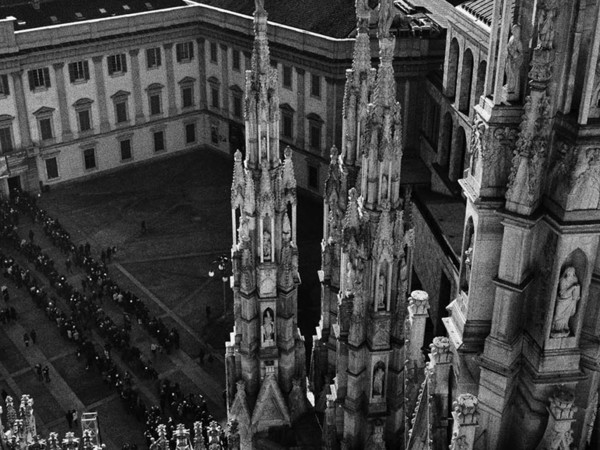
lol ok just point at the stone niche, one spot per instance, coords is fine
(267, 280)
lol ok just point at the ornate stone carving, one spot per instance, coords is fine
(558, 434)
(569, 293)
(546, 21)
(440, 350)
(386, 17)
(514, 59)
(476, 143)
(592, 418)
(375, 441)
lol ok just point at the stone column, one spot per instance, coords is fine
(418, 304)
(101, 94)
(202, 72)
(225, 80)
(170, 79)
(558, 431)
(137, 87)
(65, 124)
(300, 116)
(22, 115)
(439, 365)
(465, 416)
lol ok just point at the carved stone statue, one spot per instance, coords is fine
(259, 5)
(586, 181)
(386, 17)
(468, 263)
(546, 25)
(514, 59)
(569, 293)
(350, 278)
(381, 292)
(268, 327)
(266, 245)
(378, 375)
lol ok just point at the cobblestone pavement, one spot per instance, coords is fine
(185, 204)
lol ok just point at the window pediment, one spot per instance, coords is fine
(314, 118)
(187, 80)
(120, 94)
(83, 102)
(287, 108)
(155, 87)
(6, 118)
(213, 80)
(43, 111)
(236, 89)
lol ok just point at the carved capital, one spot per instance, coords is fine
(418, 303)
(440, 350)
(465, 410)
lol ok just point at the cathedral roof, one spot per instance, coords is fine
(481, 9)
(334, 18)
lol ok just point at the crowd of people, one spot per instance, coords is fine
(85, 312)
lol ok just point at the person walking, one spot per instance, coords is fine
(26, 339)
(75, 417)
(33, 335)
(38, 371)
(46, 372)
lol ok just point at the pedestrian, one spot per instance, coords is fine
(26, 339)
(33, 335)
(69, 416)
(5, 294)
(68, 265)
(75, 417)
(153, 349)
(143, 226)
(38, 371)
(46, 372)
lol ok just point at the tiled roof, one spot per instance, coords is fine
(334, 18)
(480, 9)
(68, 11)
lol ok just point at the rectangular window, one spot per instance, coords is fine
(85, 123)
(125, 149)
(315, 85)
(315, 136)
(213, 52)
(159, 141)
(121, 111)
(6, 144)
(190, 133)
(214, 96)
(89, 158)
(39, 78)
(288, 126)
(46, 128)
(184, 51)
(4, 88)
(79, 71)
(287, 77)
(313, 177)
(153, 57)
(237, 106)
(51, 168)
(236, 59)
(117, 64)
(187, 95)
(155, 104)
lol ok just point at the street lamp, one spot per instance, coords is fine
(221, 267)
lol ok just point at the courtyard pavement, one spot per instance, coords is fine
(184, 201)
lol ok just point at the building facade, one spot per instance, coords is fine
(172, 81)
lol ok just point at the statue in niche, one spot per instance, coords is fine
(381, 292)
(586, 185)
(384, 186)
(378, 376)
(350, 278)
(514, 59)
(546, 25)
(263, 147)
(468, 262)
(247, 270)
(266, 245)
(268, 327)
(569, 293)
